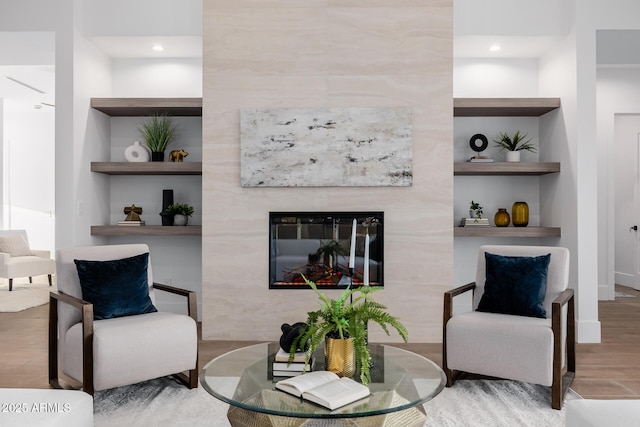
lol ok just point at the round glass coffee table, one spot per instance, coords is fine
(401, 381)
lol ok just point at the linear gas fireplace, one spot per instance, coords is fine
(334, 249)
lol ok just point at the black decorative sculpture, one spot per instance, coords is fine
(290, 333)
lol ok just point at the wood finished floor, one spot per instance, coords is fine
(604, 371)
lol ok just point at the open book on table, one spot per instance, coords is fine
(324, 388)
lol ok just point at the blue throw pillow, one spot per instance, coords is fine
(116, 288)
(515, 285)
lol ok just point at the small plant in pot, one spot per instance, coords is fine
(181, 213)
(514, 145)
(475, 210)
(342, 325)
(158, 132)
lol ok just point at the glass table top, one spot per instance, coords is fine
(244, 378)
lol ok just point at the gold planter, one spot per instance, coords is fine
(339, 356)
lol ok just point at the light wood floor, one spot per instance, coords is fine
(604, 371)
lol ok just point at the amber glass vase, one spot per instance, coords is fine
(520, 214)
(502, 218)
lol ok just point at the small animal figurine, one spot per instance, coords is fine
(177, 155)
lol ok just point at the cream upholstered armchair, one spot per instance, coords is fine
(105, 328)
(522, 325)
(17, 259)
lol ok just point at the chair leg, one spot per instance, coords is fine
(193, 378)
(10, 285)
(30, 279)
(190, 380)
(49, 277)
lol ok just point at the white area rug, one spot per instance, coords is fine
(24, 294)
(477, 403)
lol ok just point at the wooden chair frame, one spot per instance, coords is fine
(190, 380)
(562, 376)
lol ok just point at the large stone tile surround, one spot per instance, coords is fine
(338, 54)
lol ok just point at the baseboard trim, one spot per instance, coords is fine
(588, 332)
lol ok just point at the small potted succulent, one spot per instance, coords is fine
(181, 213)
(514, 145)
(475, 210)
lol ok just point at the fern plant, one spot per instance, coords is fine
(347, 317)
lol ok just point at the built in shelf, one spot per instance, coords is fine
(132, 107)
(146, 230)
(528, 231)
(506, 168)
(503, 107)
(147, 168)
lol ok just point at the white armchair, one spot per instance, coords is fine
(539, 350)
(17, 259)
(124, 348)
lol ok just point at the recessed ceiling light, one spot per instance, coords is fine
(494, 48)
(158, 47)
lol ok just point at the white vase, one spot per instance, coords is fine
(513, 156)
(136, 153)
(180, 220)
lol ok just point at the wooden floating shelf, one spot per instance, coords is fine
(503, 107)
(147, 168)
(135, 107)
(528, 231)
(146, 230)
(505, 168)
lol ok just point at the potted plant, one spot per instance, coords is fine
(346, 319)
(158, 132)
(514, 145)
(181, 213)
(330, 249)
(475, 210)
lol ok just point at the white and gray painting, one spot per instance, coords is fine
(326, 147)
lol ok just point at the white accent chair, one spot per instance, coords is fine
(33, 262)
(103, 354)
(529, 349)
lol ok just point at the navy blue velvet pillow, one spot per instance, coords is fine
(116, 288)
(515, 285)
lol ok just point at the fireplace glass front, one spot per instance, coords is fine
(318, 246)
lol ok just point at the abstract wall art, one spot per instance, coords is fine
(326, 147)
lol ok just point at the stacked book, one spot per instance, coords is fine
(474, 222)
(131, 223)
(480, 159)
(282, 367)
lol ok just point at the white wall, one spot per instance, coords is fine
(30, 144)
(618, 92)
(485, 77)
(625, 147)
(610, 15)
(170, 77)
